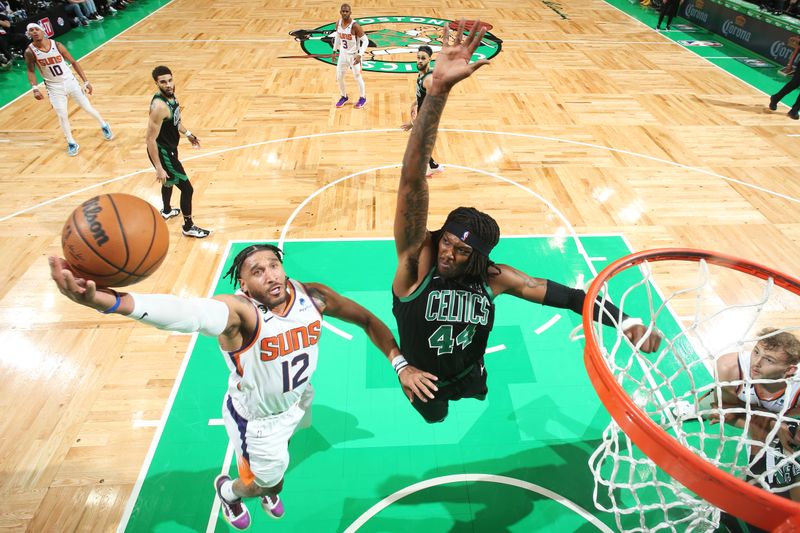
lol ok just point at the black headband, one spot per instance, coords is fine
(470, 238)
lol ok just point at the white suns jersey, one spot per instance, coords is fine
(349, 42)
(774, 404)
(271, 371)
(52, 65)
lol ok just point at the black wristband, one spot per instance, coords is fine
(564, 297)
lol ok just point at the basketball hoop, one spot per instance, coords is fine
(648, 447)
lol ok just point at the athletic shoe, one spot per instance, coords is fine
(235, 513)
(341, 101)
(434, 170)
(793, 115)
(107, 134)
(273, 506)
(773, 103)
(72, 149)
(361, 102)
(171, 213)
(196, 232)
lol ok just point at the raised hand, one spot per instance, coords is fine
(453, 61)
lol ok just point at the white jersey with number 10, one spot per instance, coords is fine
(52, 65)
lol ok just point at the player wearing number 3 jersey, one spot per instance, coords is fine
(51, 59)
(269, 333)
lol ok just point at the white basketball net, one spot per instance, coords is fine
(700, 323)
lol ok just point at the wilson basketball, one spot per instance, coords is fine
(115, 239)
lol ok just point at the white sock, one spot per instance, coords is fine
(227, 491)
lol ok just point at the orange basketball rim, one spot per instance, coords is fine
(750, 503)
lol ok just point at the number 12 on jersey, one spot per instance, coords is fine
(293, 377)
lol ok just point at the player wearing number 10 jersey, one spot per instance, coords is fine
(51, 59)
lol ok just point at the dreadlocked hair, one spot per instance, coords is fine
(235, 271)
(485, 227)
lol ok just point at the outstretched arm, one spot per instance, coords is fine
(414, 382)
(411, 216)
(548, 292)
(227, 317)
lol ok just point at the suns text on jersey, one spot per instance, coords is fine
(290, 341)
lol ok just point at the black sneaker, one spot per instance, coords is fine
(773, 104)
(198, 233)
(793, 115)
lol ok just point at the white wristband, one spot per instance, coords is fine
(629, 322)
(399, 363)
(187, 133)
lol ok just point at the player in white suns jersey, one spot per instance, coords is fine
(51, 59)
(269, 333)
(760, 378)
(350, 42)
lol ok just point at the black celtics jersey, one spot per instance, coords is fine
(169, 135)
(444, 325)
(421, 91)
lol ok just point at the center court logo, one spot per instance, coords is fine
(393, 42)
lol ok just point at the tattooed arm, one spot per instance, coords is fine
(411, 216)
(414, 381)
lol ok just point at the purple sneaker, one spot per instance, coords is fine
(341, 101)
(235, 513)
(273, 506)
(361, 102)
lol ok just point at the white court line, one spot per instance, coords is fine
(487, 478)
(697, 54)
(334, 329)
(190, 41)
(793, 134)
(449, 130)
(98, 48)
(553, 208)
(212, 518)
(547, 325)
(493, 349)
(598, 259)
(216, 422)
(137, 487)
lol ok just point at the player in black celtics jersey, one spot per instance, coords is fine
(163, 134)
(424, 54)
(445, 284)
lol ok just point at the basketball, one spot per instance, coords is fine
(114, 239)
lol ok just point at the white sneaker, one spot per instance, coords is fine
(198, 233)
(432, 171)
(171, 213)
